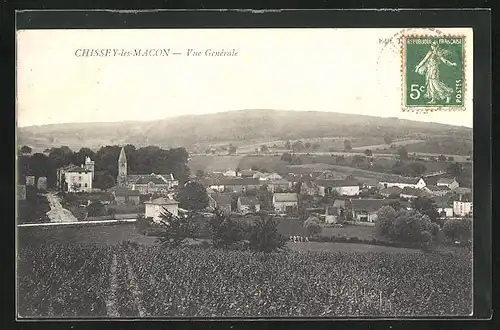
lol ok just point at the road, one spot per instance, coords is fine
(58, 213)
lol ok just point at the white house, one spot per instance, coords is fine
(245, 204)
(462, 206)
(77, 179)
(365, 210)
(402, 182)
(446, 182)
(285, 202)
(342, 187)
(156, 206)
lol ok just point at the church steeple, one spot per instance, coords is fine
(122, 169)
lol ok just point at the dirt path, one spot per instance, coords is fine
(57, 213)
(113, 286)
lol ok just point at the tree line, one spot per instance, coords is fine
(145, 160)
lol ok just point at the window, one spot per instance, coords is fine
(85, 185)
(79, 185)
(79, 178)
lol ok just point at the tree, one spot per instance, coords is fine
(200, 174)
(103, 181)
(408, 226)
(458, 229)
(432, 158)
(307, 145)
(297, 146)
(78, 158)
(385, 219)
(193, 196)
(403, 154)
(442, 158)
(427, 206)
(347, 145)
(455, 169)
(288, 145)
(40, 166)
(368, 153)
(232, 150)
(225, 231)
(312, 226)
(25, 150)
(287, 157)
(387, 139)
(358, 160)
(264, 148)
(264, 235)
(451, 158)
(175, 231)
(95, 209)
(350, 177)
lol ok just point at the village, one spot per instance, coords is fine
(296, 194)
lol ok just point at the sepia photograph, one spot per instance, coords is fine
(244, 173)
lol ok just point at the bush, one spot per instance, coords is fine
(264, 235)
(225, 232)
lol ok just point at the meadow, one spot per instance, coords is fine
(134, 280)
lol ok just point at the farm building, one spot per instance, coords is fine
(342, 187)
(444, 205)
(221, 201)
(155, 207)
(125, 196)
(447, 182)
(285, 202)
(437, 190)
(248, 204)
(402, 182)
(409, 192)
(278, 185)
(365, 210)
(394, 190)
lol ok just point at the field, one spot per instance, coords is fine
(129, 280)
(213, 163)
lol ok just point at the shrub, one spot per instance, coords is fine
(264, 235)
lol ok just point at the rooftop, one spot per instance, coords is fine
(222, 199)
(125, 192)
(150, 178)
(370, 205)
(391, 190)
(285, 197)
(338, 183)
(78, 169)
(438, 188)
(413, 191)
(404, 180)
(162, 201)
(445, 180)
(249, 200)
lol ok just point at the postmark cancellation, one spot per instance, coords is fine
(433, 72)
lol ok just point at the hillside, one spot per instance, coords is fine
(234, 126)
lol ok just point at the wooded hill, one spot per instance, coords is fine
(242, 125)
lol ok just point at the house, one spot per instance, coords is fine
(462, 206)
(391, 191)
(462, 190)
(447, 182)
(30, 180)
(155, 207)
(248, 204)
(42, 183)
(278, 185)
(410, 192)
(21, 192)
(402, 182)
(77, 179)
(232, 184)
(249, 174)
(365, 210)
(437, 190)
(125, 196)
(60, 177)
(444, 205)
(230, 173)
(342, 187)
(221, 201)
(149, 184)
(270, 176)
(285, 202)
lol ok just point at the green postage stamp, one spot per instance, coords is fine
(433, 72)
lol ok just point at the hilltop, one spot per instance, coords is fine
(235, 126)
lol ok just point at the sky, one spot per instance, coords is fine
(336, 70)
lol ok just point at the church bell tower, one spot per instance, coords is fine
(122, 169)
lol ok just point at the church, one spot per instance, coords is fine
(144, 183)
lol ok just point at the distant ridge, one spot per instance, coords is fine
(238, 125)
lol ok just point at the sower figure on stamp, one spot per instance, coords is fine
(429, 66)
